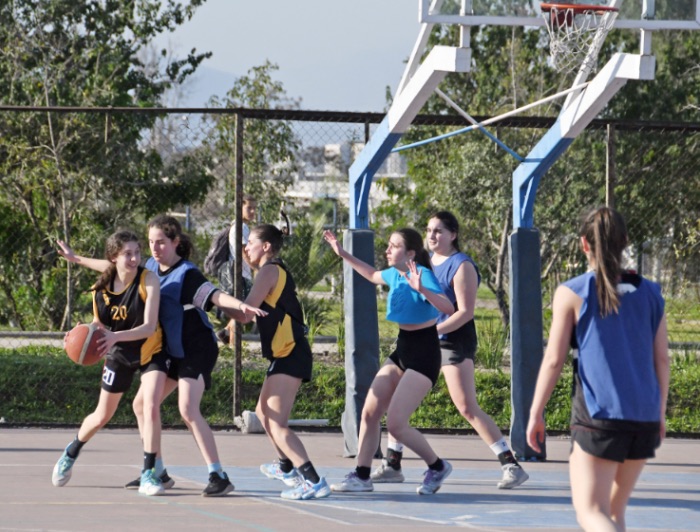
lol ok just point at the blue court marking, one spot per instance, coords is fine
(469, 498)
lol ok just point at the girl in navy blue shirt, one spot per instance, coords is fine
(615, 322)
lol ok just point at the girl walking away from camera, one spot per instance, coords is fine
(284, 344)
(125, 299)
(459, 278)
(615, 322)
(415, 301)
(186, 295)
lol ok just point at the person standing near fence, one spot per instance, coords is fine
(284, 344)
(227, 271)
(415, 301)
(186, 295)
(125, 299)
(459, 278)
(615, 321)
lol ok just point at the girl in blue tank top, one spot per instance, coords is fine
(414, 302)
(615, 320)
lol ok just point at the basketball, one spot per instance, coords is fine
(81, 344)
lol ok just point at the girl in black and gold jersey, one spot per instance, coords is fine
(126, 300)
(284, 344)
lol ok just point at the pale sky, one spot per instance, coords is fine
(334, 55)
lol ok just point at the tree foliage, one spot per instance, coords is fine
(270, 147)
(67, 173)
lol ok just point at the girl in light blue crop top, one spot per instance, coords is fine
(415, 300)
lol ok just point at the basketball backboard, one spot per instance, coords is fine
(633, 14)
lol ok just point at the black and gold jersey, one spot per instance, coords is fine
(124, 311)
(282, 329)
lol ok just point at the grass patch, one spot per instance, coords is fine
(42, 386)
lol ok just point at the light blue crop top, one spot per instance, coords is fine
(404, 304)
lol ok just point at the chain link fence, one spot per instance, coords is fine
(77, 175)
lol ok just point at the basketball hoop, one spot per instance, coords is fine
(576, 32)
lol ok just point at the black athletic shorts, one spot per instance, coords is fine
(117, 376)
(459, 345)
(420, 351)
(616, 445)
(200, 359)
(298, 364)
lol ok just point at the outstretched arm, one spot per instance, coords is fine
(365, 270)
(235, 308)
(67, 253)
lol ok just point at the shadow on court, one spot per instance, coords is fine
(667, 496)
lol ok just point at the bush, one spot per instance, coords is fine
(42, 386)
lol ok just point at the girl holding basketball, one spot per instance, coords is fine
(186, 295)
(615, 322)
(126, 299)
(415, 300)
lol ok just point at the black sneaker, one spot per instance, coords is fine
(224, 336)
(218, 486)
(164, 479)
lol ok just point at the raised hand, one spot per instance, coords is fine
(65, 251)
(414, 279)
(329, 237)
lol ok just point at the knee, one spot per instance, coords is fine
(137, 406)
(396, 427)
(371, 414)
(188, 413)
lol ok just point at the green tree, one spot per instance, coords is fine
(270, 147)
(67, 175)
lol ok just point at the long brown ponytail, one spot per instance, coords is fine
(606, 233)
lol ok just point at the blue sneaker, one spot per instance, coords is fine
(305, 489)
(150, 483)
(274, 471)
(434, 479)
(62, 470)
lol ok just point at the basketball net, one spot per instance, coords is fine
(576, 34)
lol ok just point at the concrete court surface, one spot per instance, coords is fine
(667, 496)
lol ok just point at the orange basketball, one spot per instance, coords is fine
(81, 344)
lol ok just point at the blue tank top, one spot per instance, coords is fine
(171, 312)
(616, 353)
(404, 304)
(445, 272)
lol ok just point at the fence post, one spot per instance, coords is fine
(610, 168)
(238, 273)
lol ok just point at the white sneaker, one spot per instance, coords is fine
(274, 471)
(433, 479)
(150, 483)
(305, 489)
(385, 474)
(513, 476)
(353, 483)
(62, 470)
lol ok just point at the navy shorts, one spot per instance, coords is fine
(420, 351)
(198, 360)
(117, 376)
(616, 445)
